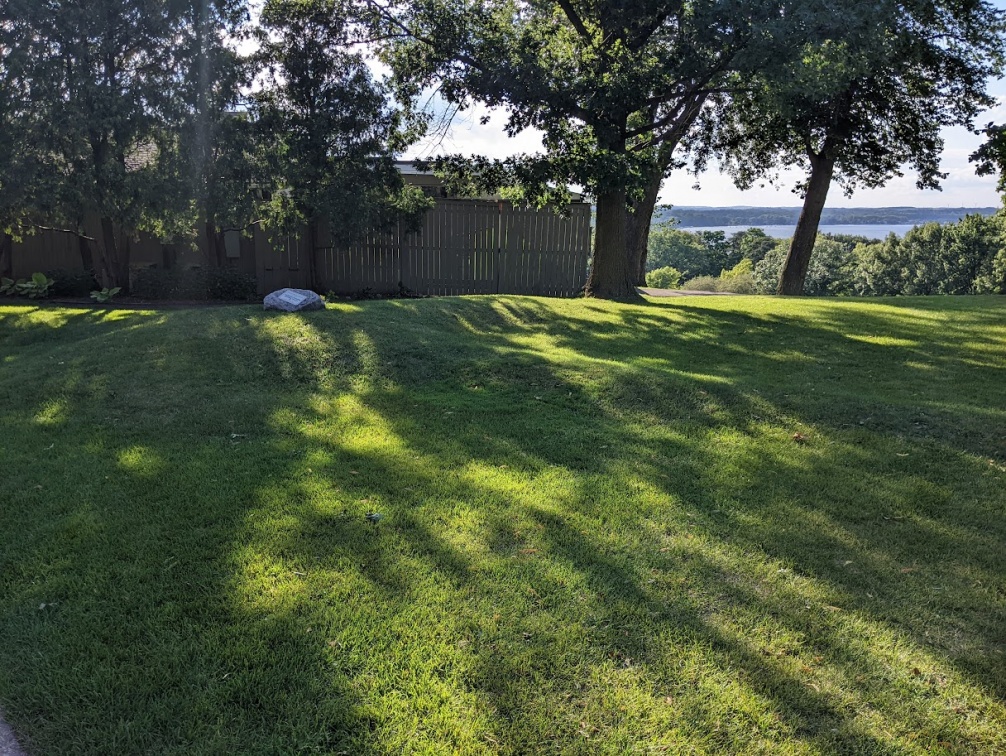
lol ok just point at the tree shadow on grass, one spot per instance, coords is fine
(858, 547)
(597, 534)
(133, 454)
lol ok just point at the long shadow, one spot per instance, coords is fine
(525, 583)
(133, 457)
(861, 555)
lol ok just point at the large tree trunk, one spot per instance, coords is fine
(113, 265)
(640, 216)
(6, 256)
(794, 272)
(610, 276)
(638, 220)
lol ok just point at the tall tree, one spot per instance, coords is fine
(27, 170)
(328, 126)
(218, 160)
(612, 85)
(107, 78)
(863, 102)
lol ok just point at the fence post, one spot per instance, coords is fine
(499, 243)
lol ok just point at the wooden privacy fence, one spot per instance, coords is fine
(464, 247)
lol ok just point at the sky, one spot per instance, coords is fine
(961, 188)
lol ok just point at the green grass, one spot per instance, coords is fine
(599, 533)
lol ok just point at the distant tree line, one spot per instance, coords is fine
(966, 257)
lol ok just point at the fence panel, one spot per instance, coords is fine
(372, 264)
(283, 264)
(456, 250)
(544, 253)
(463, 247)
(45, 251)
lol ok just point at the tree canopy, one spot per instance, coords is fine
(329, 130)
(607, 83)
(867, 98)
(142, 114)
(108, 79)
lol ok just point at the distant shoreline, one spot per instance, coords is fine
(704, 217)
(876, 231)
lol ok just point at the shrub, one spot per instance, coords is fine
(739, 279)
(664, 278)
(39, 286)
(693, 253)
(72, 283)
(832, 269)
(702, 283)
(103, 296)
(230, 285)
(197, 284)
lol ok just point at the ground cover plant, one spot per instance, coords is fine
(717, 525)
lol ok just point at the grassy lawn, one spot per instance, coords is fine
(702, 525)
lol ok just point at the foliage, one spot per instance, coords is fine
(872, 96)
(608, 84)
(752, 244)
(104, 296)
(739, 279)
(327, 126)
(958, 258)
(144, 115)
(702, 283)
(967, 257)
(694, 254)
(108, 79)
(39, 286)
(832, 271)
(664, 278)
(704, 253)
(990, 157)
(72, 283)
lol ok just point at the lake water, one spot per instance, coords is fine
(871, 231)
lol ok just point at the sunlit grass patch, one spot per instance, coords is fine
(506, 525)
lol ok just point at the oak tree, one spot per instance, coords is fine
(612, 85)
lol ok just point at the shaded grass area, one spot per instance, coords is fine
(598, 532)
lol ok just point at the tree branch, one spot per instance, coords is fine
(410, 33)
(70, 231)
(574, 18)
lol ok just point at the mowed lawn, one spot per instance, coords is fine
(718, 525)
